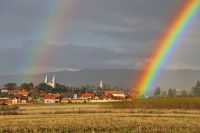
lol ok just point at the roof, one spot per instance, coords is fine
(23, 93)
(3, 99)
(52, 96)
(87, 94)
(115, 92)
(19, 97)
(23, 97)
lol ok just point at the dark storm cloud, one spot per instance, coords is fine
(61, 57)
(106, 34)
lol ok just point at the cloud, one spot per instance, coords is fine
(64, 57)
(107, 34)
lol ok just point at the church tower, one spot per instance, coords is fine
(46, 80)
(101, 84)
(53, 84)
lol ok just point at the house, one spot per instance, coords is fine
(24, 93)
(52, 98)
(23, 99)
(19, 99)
(87, 95)
(15, 100)
(4, 90)
(4, 100)
(118, 95)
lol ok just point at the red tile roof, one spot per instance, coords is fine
(109, 94)
(52, 96)
(85, 95)
(23, 93)
(115, 92)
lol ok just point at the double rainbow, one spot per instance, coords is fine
(175, 31)
(50, 29)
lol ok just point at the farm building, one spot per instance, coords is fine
(52, 98)
(119, 95)
(19, 99)
(87, 95)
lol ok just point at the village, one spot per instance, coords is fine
(52, 93)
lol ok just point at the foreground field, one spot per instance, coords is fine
(98, 118)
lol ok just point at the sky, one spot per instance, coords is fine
(97, 34)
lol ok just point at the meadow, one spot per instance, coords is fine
(123, 117)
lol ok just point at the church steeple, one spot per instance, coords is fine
(46, 80)
(54, 81)
(101, 84)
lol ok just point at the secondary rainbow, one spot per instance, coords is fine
(175, 31)
(50, 29)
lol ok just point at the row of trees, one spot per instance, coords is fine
(195, 91)
(42, 87)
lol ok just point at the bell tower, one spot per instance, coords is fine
(46, 80)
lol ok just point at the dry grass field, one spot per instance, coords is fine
(93, 118)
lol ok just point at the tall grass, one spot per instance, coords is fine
(99, 123)
(89, 118)
(160, 103)
(9, 110)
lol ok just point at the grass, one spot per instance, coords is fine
(72, 118)
(107, 122)
(9, 110)
(188, 103)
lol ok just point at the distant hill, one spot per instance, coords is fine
(182, 79)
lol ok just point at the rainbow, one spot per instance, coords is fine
(59, 16)
(175, 32)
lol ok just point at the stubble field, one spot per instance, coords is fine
(99, 118)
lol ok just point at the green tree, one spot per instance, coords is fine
(4, 94)
(61, 88)
(156, 92)
(183, 93)
(196, 89)
(44, 87)
(27, 86)
(171, 92)
(100, 92)
(164, 94)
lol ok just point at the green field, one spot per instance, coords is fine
(99, 118)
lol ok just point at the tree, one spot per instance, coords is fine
(171, 92)
(44, 87)
(4, 94)
(156, 92)
(83, 90)
(10, 85)
(26, 86)
(164, 94)
(183, 93)
(196, 89)
(100, 91)
(174, 92)
(75, 90)
(61, 88)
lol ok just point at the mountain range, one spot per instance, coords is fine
(181, 79)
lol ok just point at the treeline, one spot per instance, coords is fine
(36, 91)
(194, 91)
